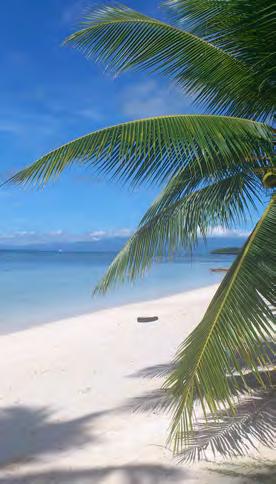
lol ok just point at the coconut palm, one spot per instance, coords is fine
(213, 169)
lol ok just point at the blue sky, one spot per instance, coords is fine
(51, 94)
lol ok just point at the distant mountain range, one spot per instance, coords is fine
(114, 244)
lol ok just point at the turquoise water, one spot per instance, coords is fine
(37, 287)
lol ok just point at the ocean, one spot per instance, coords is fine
(39, 286)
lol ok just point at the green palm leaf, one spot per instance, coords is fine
(235, 27)
(178, 224)
(236, 324)
(191, 178)
(123, 39)
(154, 149)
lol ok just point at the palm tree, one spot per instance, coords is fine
(212, 170)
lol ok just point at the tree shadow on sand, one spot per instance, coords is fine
(125, 474)
(230, 435)
(258, 471)
(28, 432)
(155, 371)
(160, 399)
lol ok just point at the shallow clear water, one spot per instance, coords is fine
(37, 287)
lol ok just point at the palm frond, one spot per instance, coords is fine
(154, 149)
(245, 29)
(161, 399)
(178, 224)
(225, 21)
(125, 39)
(234, 435)
(235, 24)
(191, 178)
(237, 324)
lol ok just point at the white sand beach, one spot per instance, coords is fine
(68, 390)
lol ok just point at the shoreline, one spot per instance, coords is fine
(97, 310)
(69, 390)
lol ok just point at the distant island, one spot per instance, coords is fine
(227, 250)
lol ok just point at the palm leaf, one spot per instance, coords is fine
(154, 149)
(191, 178)
(125, 39)
(244, 29)
(237, 324)
(178, 224)
(161, 399)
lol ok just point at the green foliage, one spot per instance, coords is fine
(242, 28)
(180, 222)
(125, 39)
(154, 149)
(236, 324)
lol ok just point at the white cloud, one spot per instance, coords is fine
(108, 234)
(10, 126)
(23, 237)
(220, 231)
(17, 235)
(56, 233)
(92, 114)
(122, 233)
(148, 98)
(97, 235)
(73, 13)
(6, 236)
(25, 124)
(24, 233)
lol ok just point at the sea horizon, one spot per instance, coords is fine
(40, 286)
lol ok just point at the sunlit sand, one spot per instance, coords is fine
(68, 391)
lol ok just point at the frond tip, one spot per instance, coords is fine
(186, 208)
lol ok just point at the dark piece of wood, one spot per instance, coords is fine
(148, 319)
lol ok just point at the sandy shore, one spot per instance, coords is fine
(68, 389)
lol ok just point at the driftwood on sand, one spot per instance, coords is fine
(147, 319)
